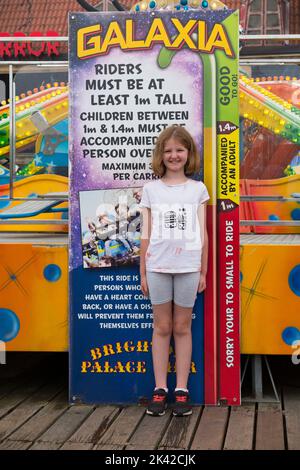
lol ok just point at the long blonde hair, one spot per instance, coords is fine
(179, 133)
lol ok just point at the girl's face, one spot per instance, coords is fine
(175, 155)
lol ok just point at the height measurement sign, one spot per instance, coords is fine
(131, 76)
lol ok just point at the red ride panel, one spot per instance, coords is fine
(228, 307)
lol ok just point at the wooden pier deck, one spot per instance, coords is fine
(35, 415)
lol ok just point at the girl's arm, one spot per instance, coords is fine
(204, 238)
(145, 239)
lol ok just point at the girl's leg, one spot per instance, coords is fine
(185, 292)
(160, 287)
(182, 322)
(162, 330)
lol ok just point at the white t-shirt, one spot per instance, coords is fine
(175, 242)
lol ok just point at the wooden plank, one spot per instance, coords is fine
(9, 386)
(240, 431)
(269, 429)
(95, 425)
(122, 428)
(19, 395)
(291, 397)
(45, 446)
(42, 420)
(66, 424)
(109, 447)
(211, 430)
(149, 432)
(180, 431)
(77, 446)
(14, 445)
(26, 409)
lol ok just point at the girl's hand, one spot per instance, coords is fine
(202, 283)
(144, 285)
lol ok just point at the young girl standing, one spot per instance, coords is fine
(173, 264)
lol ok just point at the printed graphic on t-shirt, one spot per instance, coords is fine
(182, 219)
(170, 219)
(173, 220)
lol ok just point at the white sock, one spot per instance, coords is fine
(182, 389)
(162, 388)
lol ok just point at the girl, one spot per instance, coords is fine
(173, 258)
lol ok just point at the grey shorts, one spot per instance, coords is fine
(180, 287)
